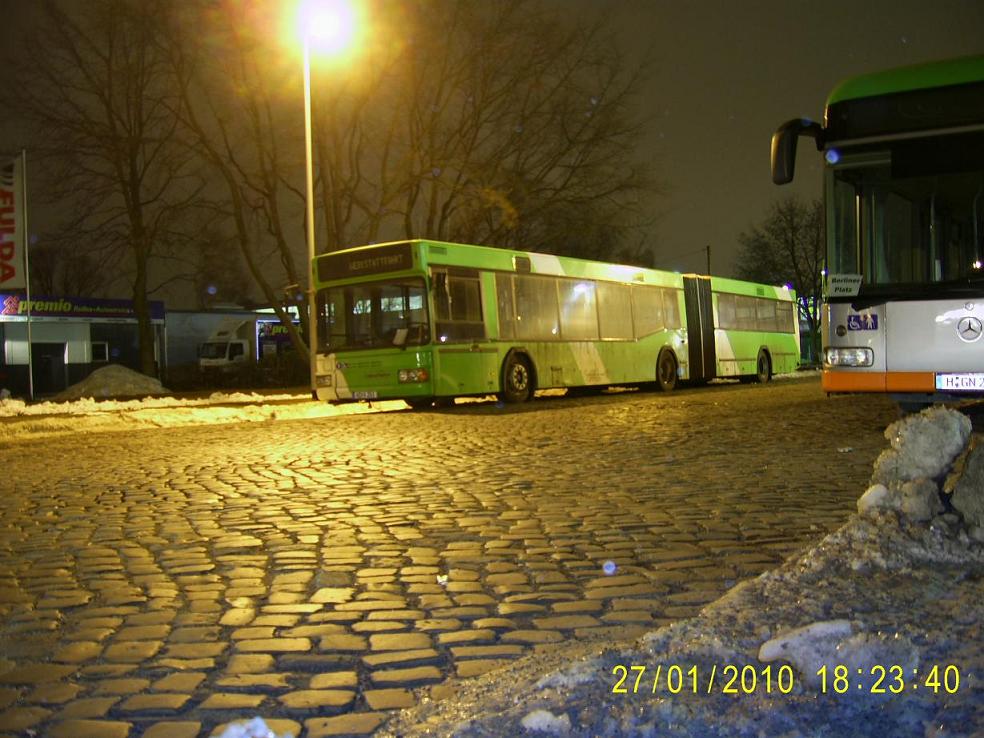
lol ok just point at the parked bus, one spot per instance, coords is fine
(904, 196)
(427, 321)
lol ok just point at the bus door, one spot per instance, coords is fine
(465, 362)
(700, 327)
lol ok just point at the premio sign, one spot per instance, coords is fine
(11, 238)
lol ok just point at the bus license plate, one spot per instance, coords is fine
(965, 382)
(365, 395)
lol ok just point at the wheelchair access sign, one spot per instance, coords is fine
(862, 322)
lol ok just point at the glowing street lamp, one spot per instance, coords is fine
(330, 25)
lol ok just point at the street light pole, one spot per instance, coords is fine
(309, 177)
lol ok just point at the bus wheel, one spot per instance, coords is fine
(419, 403)
(763, 367)
(517, 380)
(666, 371)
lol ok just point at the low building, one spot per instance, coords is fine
(70, 337)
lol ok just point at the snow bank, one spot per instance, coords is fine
(87, 416)
(94, 410)
(112, 381)
(891, 602)
(10, 408)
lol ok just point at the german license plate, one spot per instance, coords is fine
(365, 395)
(964, 382)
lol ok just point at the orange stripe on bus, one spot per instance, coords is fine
(911, 382)
(841, 381)
(853, 381)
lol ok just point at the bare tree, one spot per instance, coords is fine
(231, 104)
(491, 123)
(787, 247)
(219, 278)
(96, 90)
(59, 268)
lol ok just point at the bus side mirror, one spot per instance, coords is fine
(784, 147)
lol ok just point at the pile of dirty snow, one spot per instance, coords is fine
(875, 631)
(110, 382)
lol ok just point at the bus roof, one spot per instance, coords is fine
(915, 77)
(442, 253)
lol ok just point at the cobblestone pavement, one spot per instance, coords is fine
(163, 582)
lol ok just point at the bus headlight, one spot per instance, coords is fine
(412, 376)
(848, 356)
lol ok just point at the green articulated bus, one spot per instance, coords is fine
(426, 322)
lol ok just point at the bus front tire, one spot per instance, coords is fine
(517, 380)
(666, 371)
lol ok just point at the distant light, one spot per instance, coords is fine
(787, 286)
(212, 289)
(977, 264)
(444, 339)
(832, 156)
(609, 568)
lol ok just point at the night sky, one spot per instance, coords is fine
(726, 74)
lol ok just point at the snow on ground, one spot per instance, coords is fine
(103, 401)
(88, 416)
(93, 412)
(876, 631)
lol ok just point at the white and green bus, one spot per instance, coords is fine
(426, 322)
(904, 197)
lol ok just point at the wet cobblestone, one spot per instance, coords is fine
(320, 572)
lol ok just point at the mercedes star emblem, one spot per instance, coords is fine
(969, 329)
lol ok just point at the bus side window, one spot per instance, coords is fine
(784, 317)
(614, 310)
(647, 310)
(578, 309)
(458, 306)
(765, 315)
(504, 301)
(536, 308)
(671, 304)
(745, 319)
(442, 297)
(726, 312)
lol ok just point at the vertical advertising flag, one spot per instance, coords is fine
(12, 271)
